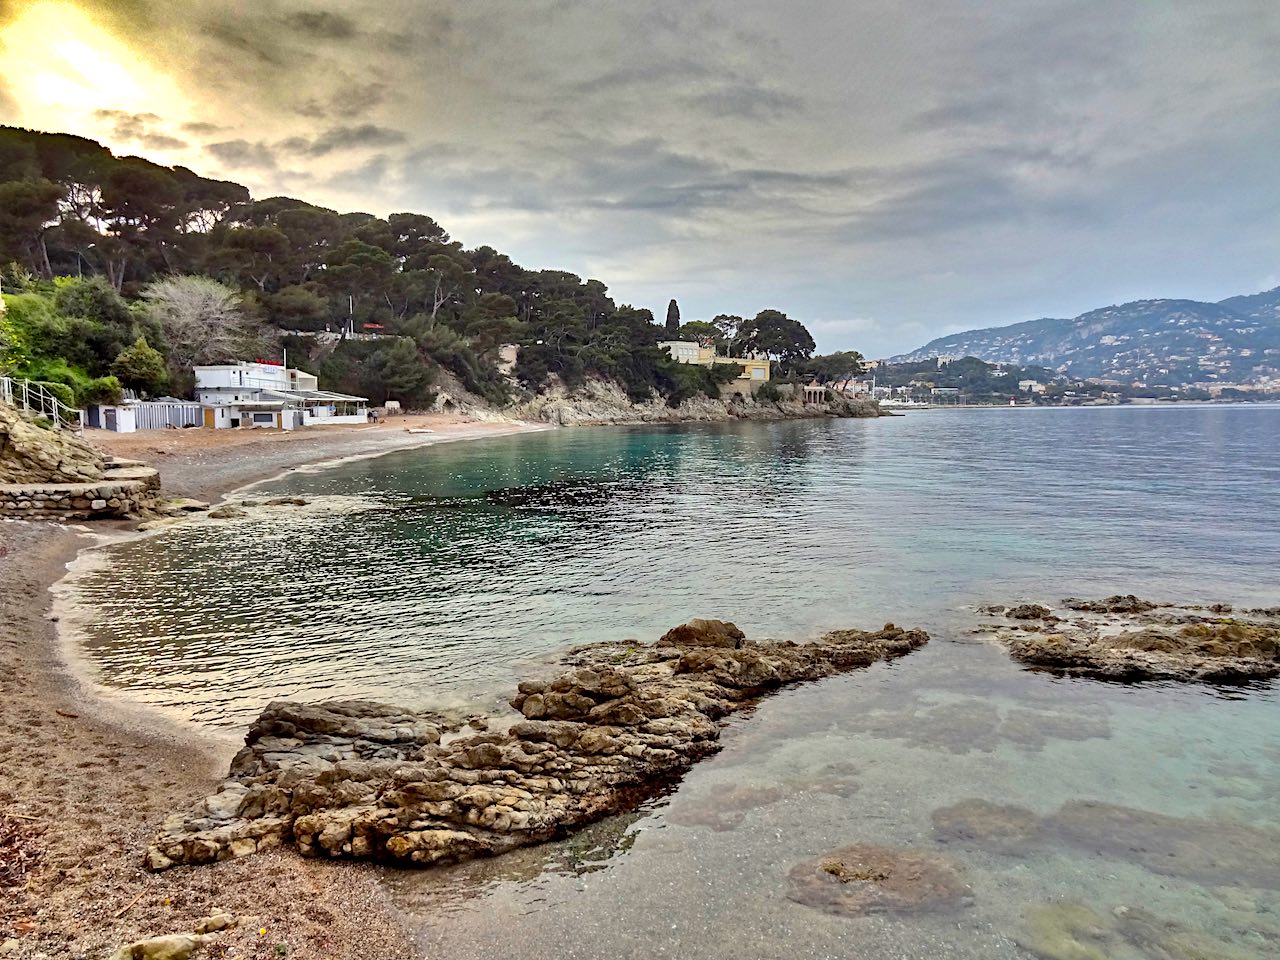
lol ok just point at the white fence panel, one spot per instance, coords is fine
(158, 415)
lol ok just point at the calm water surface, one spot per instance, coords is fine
(436, 576)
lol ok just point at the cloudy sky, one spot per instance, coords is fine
(883, 170)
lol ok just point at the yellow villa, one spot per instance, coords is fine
(755, 371)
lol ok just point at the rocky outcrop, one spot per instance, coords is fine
(1126, 639)
(34, 454)
(363, 780)
(864, 879)
(599, 402)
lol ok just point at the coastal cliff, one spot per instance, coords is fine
(602, 402)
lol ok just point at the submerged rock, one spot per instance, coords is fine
(1005, 829)
(1220, 852)
(364, 780)
(977, 725)
(1072, 931)
(1124, 638)
(864, 879)
(723, 809)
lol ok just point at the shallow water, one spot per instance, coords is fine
(436, 575)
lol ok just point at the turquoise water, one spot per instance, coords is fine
(436, 576)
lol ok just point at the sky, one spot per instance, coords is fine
(885, 171)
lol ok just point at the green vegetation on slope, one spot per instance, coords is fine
(202, 272)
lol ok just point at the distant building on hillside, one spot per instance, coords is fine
(814, 392)
(755, 371)
(271, 395)
(1031, 386)
(943, 395)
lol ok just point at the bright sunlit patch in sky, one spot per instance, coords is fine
(59, 68)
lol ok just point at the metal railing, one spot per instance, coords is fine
(31, 397)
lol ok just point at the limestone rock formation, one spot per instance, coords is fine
(864, 878)
(598, 402)
(1125, 638)
(30, 453)
(363, 780)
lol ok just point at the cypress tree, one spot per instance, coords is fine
(673, 319)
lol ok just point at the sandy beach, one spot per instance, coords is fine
(87, 782)
(205, 464)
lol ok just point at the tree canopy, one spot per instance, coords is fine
(202, 270)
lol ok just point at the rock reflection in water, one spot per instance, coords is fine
(593, 848)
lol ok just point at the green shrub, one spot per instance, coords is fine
(102, 390)
(768, 393)
(62, 391)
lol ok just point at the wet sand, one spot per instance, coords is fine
(86, 781)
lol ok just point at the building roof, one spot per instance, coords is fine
(315, 396)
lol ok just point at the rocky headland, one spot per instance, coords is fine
(1125, 638)
(368, 781)
(600, 402)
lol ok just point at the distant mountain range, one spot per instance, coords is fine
(1171, 342)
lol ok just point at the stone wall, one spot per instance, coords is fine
(56, 474)
(125, 491)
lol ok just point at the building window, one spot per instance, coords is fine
(757, 373)
(264, 418)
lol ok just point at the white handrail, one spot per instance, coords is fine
(33, 398)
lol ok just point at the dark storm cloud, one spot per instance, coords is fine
(258, 47)
(201, 129)
(350, 101)
(140, 128)
(364, 136)
(323, 24)
(128, 126)
(242, 153)
(160, 141)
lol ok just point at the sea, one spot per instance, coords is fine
(438, 577)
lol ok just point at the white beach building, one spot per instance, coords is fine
(271, 395)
